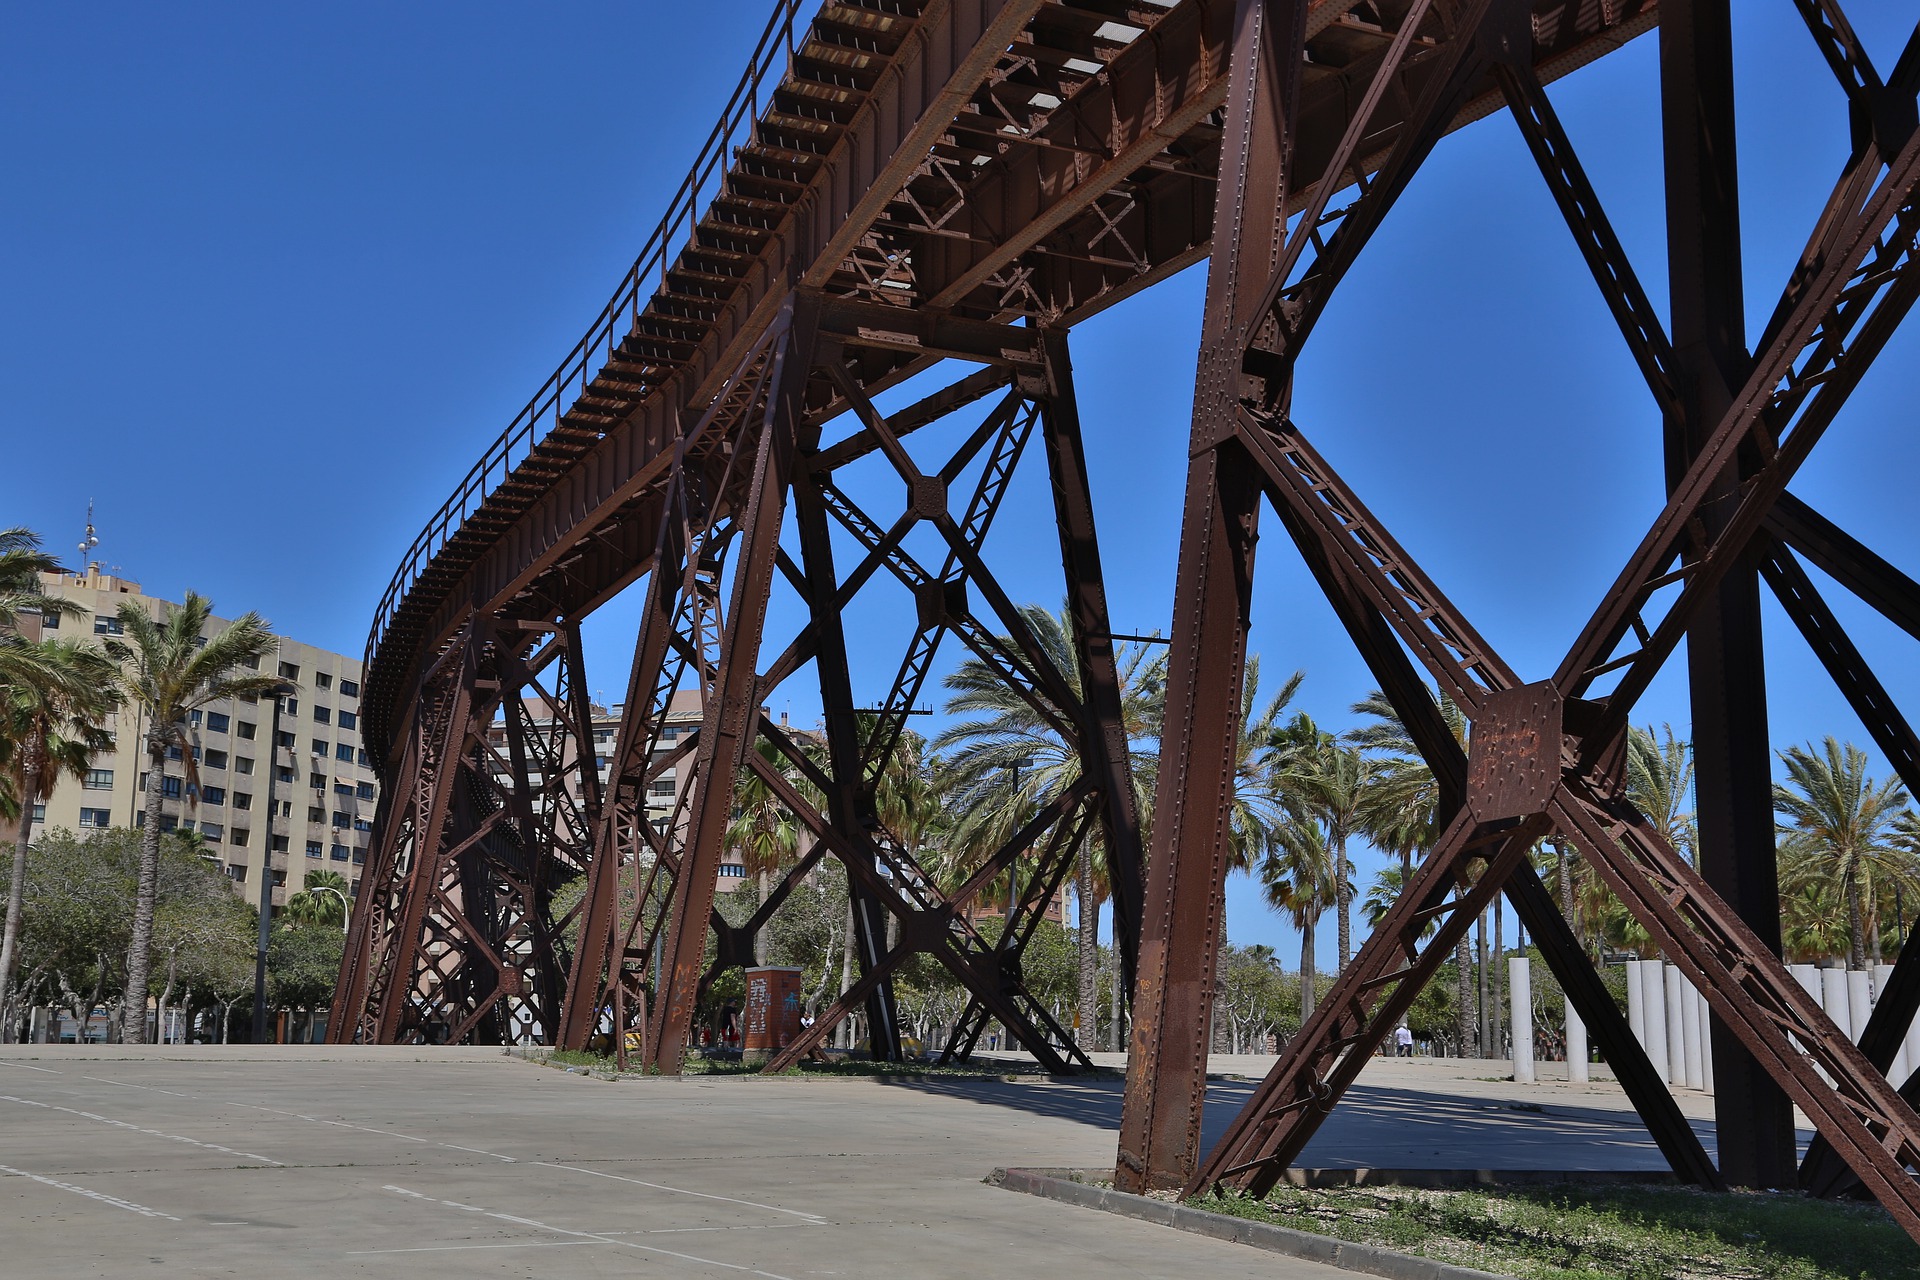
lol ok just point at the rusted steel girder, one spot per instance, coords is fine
(1541, 754)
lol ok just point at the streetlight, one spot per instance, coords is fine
(266, 872)
(346, 907)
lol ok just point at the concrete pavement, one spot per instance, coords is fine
(313, 1161)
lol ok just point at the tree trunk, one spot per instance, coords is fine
(133, 1019)
(843, 1034)
(1499, 1018)
(16, 895)
(1089, 958)
(1857, 953)
(166, 994)
(1486, 1026)
(1342, 899)
(1566, 886)
(1463, 995)
(1307, 975)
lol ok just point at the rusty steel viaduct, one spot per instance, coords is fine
(897, 185)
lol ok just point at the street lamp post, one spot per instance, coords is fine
(346, 907)
(1013, 877)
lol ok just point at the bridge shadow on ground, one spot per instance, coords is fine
(1378, 1127)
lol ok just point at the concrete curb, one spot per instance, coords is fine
(1366, 1258)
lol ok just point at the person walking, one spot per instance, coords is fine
(1403, 1041)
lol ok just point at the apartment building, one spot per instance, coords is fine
(281, 790)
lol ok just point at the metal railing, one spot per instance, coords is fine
(646, 277)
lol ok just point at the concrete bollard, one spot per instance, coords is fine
(1653, 995)
(1577, 1046)
(1696, 1074)
(1520, 997)
(1897, 1070)
(1835, 1000)
(1636, 1004)
(1676, 988)
(1808, 976)
(1706, 1040)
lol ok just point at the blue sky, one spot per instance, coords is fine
(274, 277)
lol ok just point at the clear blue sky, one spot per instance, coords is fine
(274, 277)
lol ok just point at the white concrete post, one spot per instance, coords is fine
(1577, 1046)
(1913, 1049)
(1835, 1000)
(1859, 1002)
(1706, 1039)
(1897, 1070)
(1653, 993)
(1696, 1073)
(1675, 992)
(1808, 976)
(1636, 1004)
(1520, 995)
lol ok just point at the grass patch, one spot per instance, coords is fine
(1602, 1232)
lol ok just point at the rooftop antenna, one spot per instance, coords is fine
(91, 541)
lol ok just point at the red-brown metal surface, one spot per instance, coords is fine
(896, 185)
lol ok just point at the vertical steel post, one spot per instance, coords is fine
(266, 884)
(1726, 668)
(1180, 930)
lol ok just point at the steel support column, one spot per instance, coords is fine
(1733, 779)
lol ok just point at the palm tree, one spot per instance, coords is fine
(175, 671)
(1660, 785)
(54, 706)
(1296, 877)
(1331, 781)
(1838, 818)
(763, 830)
(21, 564)
(317, 903)
(1006, 761)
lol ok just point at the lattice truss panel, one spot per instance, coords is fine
(1543, 758)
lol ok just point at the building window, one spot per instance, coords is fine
(251, 664)
(49, 622)
(349, 688)
(237, 872)
(239, 837)
(343, 751)
(193, 717)
(98, 780)
(339, 853)
(365, 791)
(107, 625)
(316, 814)
(660, 788)
(285, 808)
(313, 849)
(321, 680)
(359, 857)
(216, 759)
(217, 721)
(318, 781)
(279, 879)
(322, 749)
(168, 823)
(277, 844)
(361, 759)
(285, 773)
(212, 831)
(342, 820)
(348, 720)
(243, 764)
(170, 788)
(174, 752)
(342, 788)
(286, 741)
(242, 801)
(732, 871)
(213, 795)
(323, 715)
(246, 729)
(288, 671)
(88, 817)
(291, 706)
(361, 824)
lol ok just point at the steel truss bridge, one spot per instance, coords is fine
(897, 185)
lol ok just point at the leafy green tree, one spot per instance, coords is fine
(1330, 782)
(21, 564)
(53, 715)
(303, 963)
(1837, 818)
(174, 669)
(1660, 785)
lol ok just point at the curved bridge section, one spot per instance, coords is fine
(903, 185)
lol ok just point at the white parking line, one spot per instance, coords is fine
(27, 1067)
(90, 1194)
(655, 1186)
(584, 1237)
(459, 1248)
(148, 1087)
(122, 1124)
